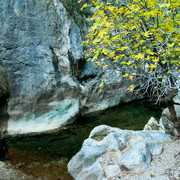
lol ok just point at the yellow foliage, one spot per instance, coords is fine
(139, 56)
(129, 63)
(126, 75)
(140, 33)
(98, 63)
(105, 66)
(123, 48)
(111, 54)
(131, 88)
(147, 34)
(101, 84)
(98, 138)
(156, 59)
(131, 77)
(102, 33)
(152, 66)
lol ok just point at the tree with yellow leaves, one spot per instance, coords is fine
(140, 38)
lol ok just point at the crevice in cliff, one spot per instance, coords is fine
(76, 66)
(55, 63)
(88, 72)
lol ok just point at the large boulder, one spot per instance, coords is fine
(40, 50)
(109, 152)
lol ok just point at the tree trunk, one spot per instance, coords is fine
(173, 115)
(170, 104)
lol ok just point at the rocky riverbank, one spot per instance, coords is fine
(164, 166)
(114, 154)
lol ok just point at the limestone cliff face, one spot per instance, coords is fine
(49, 82)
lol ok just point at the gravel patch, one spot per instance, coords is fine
(7, 172)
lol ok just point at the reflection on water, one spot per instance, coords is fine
(46, 156)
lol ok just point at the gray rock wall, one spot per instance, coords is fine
(50, 83)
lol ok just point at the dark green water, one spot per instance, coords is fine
(51, 152)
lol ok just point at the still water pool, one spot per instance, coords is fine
(46, 156)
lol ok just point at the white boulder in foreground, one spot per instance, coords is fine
(118, 152)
